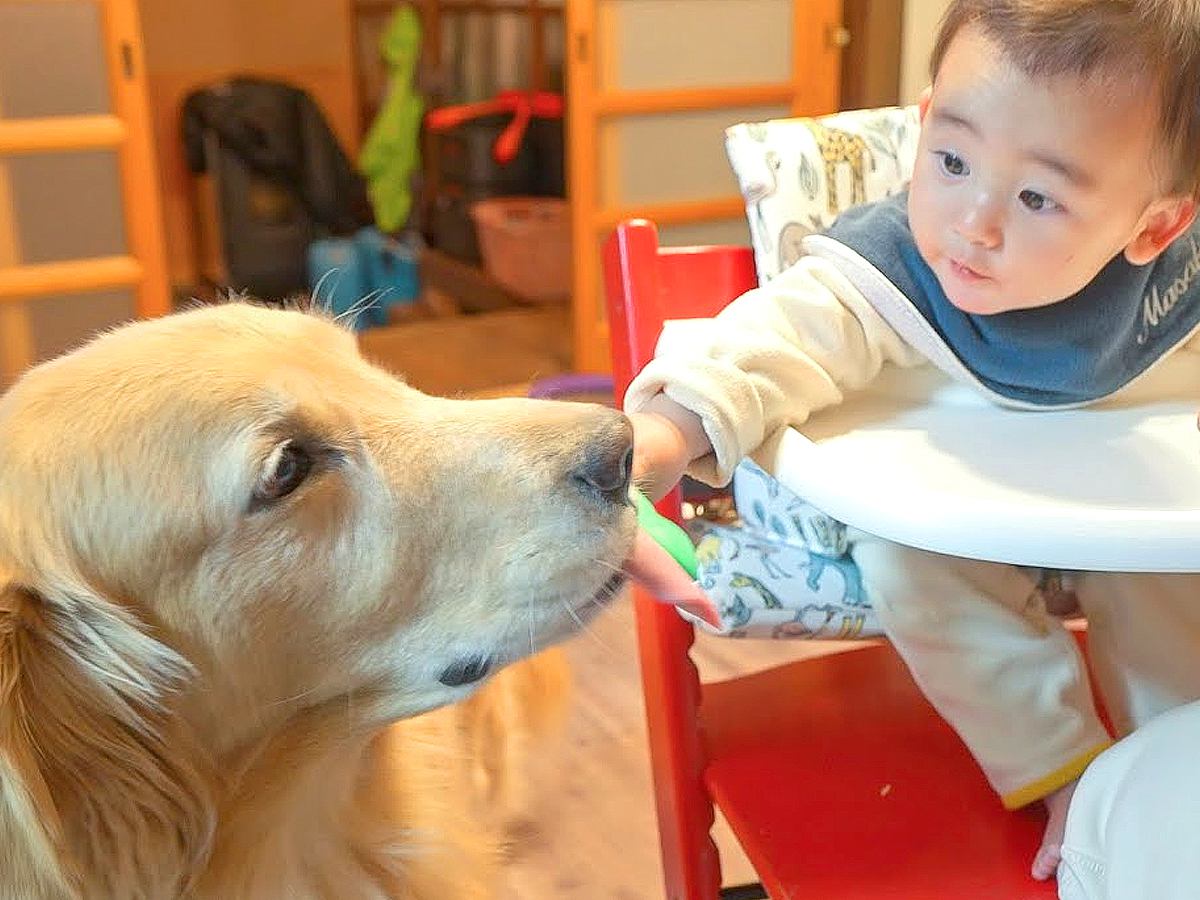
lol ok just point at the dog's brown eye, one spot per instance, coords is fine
(287, 467)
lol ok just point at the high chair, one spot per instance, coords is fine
(837, 777)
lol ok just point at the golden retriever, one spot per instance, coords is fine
(232, 555)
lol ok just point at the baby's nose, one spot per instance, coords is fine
(980, 223)
(979, 233)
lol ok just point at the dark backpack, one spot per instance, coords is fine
(281, 180)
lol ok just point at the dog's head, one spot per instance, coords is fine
(228, 511)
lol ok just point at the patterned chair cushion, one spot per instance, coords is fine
(783, 571)
(796, 175)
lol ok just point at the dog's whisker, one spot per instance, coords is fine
(316, 294)
(608, 565)
(621, 569)
(574, 615)
(364, 303)
(353, 311)
(338, 274)
(293, 698)
(376, 299)
(585, 629)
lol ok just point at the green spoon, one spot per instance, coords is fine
(666, 534)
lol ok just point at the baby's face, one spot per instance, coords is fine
(1024, 189)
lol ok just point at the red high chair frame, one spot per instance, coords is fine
(836, 775)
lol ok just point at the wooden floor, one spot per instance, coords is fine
(500, 351)
(596, 837)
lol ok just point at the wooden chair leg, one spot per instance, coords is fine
(691, 866)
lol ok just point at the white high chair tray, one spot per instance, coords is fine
(930, 463)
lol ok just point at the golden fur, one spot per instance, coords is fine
(201, 683)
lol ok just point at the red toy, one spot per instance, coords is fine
(523, 105)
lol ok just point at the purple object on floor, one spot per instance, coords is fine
(561, 387)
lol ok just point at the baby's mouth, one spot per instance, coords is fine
(966, 273)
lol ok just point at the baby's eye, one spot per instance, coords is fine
(952, 164)
(1036, 202)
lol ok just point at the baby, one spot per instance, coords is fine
(1046, 253)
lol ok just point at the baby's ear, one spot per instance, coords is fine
(923, 102)
(1162, 223)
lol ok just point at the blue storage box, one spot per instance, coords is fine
(336, 275)
(369, 269)
(390, 266)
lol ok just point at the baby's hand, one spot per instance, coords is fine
(666, 437)
(659, 454)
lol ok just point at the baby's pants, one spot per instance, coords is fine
(1009, 677)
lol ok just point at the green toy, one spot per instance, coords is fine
(666, 534)
(391, 155)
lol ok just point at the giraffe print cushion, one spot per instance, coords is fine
(783, 571)
(796, 175)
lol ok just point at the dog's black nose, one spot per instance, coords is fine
(608, 463)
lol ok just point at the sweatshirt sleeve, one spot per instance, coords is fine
(771, 358)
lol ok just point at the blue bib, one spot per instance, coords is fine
(1075, 351)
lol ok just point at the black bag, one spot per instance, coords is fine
(281, 180)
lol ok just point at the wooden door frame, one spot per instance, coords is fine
(127, 130)
(16, 331)
(814, 46)
(870, 73)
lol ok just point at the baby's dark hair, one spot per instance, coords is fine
(1117, 38)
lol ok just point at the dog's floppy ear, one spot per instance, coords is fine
(101, 792)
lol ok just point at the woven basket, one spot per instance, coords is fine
(526, 245)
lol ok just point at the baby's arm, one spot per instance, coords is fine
(718, 387)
